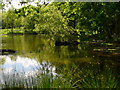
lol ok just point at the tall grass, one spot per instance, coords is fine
(85, 77)
(46, 79)
(92, 76)
(97, 81)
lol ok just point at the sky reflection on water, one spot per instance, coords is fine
(24, 66)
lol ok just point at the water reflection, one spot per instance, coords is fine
(24, 67)
(37, 54)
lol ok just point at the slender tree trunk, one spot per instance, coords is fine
(12, 27)
(117, 28)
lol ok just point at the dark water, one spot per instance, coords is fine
(39, 51)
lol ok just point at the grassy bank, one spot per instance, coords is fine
(8, 31)
(16, 31)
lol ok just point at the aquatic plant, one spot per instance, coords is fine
(44, 79)
(89, 76)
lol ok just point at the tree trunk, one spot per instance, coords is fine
(117, 28)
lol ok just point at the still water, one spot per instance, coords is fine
(38, 53)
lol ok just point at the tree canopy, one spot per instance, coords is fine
(94, 19)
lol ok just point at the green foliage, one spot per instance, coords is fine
(1, 5)
(92, 18)
(8, 31)
(8, 19)
(51, 21)
(67, 18)
(100, 17)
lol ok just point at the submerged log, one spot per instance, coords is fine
(65, 43)
(7, 51)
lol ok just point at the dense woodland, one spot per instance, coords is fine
(84, 20)
(80, 40)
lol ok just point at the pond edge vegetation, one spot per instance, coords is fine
(86, 78)
(69, 23)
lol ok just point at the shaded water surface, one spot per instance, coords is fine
(37, 53)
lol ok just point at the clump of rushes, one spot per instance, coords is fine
(97, 81)
(16, 80)
(91, 76)
(38, 80)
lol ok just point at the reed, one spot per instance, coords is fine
(85, 78)
(38, 80)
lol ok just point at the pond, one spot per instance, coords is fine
(37, 56)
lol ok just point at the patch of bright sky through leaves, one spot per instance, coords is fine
(16, 3)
